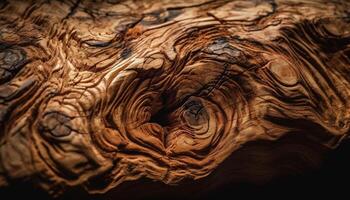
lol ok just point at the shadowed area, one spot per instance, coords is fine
(258, 175)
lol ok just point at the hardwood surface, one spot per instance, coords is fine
(177, 95)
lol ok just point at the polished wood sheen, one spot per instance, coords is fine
(94, 94)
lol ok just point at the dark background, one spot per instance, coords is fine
(290, 167)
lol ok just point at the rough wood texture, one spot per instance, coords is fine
(94, 94)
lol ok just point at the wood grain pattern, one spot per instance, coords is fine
(95, 94)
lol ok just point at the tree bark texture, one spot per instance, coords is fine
(94, 94)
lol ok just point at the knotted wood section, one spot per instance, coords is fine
(95, 94)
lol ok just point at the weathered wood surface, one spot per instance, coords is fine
(94, 94)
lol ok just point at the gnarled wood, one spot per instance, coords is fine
(94, 94)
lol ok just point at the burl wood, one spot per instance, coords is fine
(94, 94)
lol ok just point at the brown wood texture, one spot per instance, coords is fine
(97, 93)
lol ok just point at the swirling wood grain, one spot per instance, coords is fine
(94, 94)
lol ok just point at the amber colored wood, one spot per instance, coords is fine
(95, 94)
